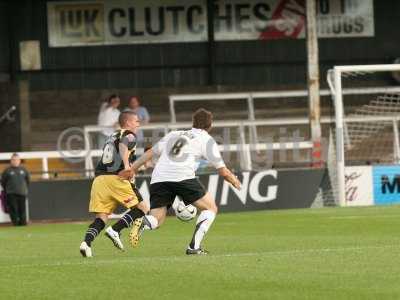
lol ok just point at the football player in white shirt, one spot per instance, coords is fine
(179, 154)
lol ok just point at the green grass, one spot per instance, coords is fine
(350, 253)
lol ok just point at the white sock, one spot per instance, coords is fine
(204, 221)
(151, 222)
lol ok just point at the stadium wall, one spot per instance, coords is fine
(263, 190)
(271, 63)
(269, 189)
(10, 130)
(4, 44)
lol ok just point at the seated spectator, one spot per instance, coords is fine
(108, 116)
(15, 181)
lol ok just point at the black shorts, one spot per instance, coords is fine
(164, 193)
(137, 193)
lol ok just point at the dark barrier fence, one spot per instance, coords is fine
(268, 189)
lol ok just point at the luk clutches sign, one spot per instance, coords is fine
(124, 22)
(75, 23)
(335, 18)
(156, 21)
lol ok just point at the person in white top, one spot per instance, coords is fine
(179, 154)
(108, 117)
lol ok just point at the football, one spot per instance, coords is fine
(185, 212)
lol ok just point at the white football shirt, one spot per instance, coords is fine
(180, 153)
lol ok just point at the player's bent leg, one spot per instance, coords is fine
(134, 234)
(155, 218)
(208, 210)
(91, 233)
(150, 222)
(132, 218)
(143, 206)
(206, 203)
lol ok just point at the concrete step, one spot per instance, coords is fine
(62, 123)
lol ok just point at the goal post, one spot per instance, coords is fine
(369, 125)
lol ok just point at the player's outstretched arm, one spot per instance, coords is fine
(230, 177)
(148, 155)
(128, 174)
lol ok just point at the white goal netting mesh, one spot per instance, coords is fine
(369, 139)
(370, 130)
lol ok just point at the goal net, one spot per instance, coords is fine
(365, 131)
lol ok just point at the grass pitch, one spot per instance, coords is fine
(350, 253)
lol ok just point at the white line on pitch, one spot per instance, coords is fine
(365, 216)
(88, 261)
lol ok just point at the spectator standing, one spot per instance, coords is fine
(15, 181)
(143, 115)
(140, 111)
(108, 116)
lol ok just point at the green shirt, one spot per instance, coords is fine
(15, 180)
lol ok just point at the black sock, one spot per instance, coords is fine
(127, 219)
(94, 230)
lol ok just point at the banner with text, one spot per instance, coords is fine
(169, 21)
(358, 186)
(268, 189)
(386, 182)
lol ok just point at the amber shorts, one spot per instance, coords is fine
(109, 191)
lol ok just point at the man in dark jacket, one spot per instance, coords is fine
(15, 182)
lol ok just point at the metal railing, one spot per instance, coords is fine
(250, 96)
(44, 156)
(243, 147)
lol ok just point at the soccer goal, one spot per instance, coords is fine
(365, 131)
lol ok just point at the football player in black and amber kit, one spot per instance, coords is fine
(109, 190)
